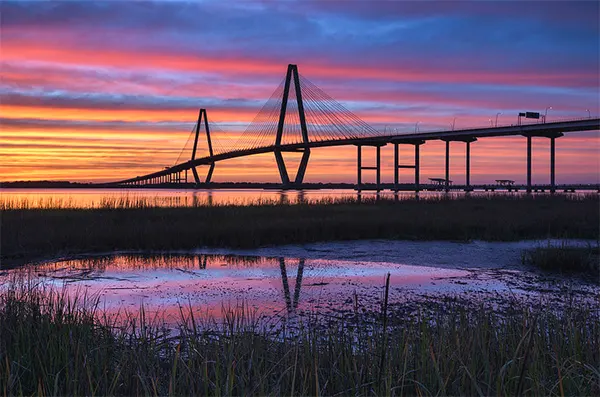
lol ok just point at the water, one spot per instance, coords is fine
(331, 279)
(94, 198)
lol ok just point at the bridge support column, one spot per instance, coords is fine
(396, 161)
(468, 165)
(302, 167)
(552, 136)
(196, 177)
(358, 167)
(210, 173)
(528, 164)
(417, 166)
(447, 183)
(467, 140)
(285, 179)
(552, 164)
(414, 166)
(378, 169)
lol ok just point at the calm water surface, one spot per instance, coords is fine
(332, 279)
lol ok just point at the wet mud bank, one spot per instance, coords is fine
(342, 280)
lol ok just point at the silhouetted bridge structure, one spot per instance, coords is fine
(299, 117)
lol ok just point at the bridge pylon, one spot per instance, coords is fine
(292, 73)
(202, 118)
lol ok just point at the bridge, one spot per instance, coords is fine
(299, 117)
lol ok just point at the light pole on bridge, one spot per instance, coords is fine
(589, 114)
(546, 112)
(497, 114)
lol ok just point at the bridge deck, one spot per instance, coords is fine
(553, 129)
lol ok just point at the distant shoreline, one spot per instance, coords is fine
(365, 187)
(190, 186)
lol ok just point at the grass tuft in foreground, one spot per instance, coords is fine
(53, 345)
(565, 258)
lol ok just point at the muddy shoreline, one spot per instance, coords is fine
(341, 280)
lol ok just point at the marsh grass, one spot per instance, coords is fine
(32, 233)
(137, 201)
(565, 258)
(53, 345)
(128, 201)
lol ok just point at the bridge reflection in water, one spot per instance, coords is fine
(184, 271)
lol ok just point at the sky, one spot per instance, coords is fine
(96, 91)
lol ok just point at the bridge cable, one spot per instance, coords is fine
(191, 134)
(263, 122)
(334, 110)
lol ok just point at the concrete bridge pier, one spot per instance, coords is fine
(467, 141)
(552, 164)
(468, 165)
(552, 136)
(197, 178)
(377, 168)
(285, 179)
(417, 165)
(398, 166)
(211, 169)
(447, 175)
(283, 174)
(528, 164)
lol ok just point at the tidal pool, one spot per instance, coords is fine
(330, 279)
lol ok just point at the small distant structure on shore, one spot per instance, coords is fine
(505, 182)
(440, 181)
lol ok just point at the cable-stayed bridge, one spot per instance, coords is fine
(299, 116)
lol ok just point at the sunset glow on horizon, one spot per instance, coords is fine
(97, 91)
